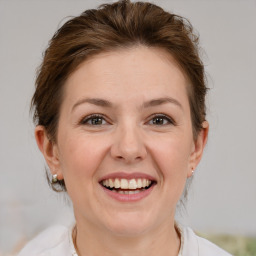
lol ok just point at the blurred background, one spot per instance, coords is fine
(222, 200)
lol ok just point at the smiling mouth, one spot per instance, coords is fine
(127, 186)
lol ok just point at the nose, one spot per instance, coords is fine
(128, 144)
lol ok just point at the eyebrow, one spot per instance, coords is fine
(105, 103)
(161, 101)
(94, 101)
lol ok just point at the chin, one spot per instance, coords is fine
(129, 225)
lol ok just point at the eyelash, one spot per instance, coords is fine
(85, 120)
(169, 120)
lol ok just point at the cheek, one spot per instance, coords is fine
(80, 157)
(171, 160)
(171, 155)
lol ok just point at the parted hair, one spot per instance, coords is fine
(113, 26)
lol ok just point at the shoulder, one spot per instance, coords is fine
(199, 245)
(52, 241)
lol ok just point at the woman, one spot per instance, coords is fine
(120, 119)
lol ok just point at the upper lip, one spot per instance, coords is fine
(128, 176)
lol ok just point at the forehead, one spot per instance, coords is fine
(127, 72)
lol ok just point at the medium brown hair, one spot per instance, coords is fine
(122, 24)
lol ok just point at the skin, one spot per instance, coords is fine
(126, 140)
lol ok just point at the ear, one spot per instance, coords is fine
(198, 148)
(49, 150)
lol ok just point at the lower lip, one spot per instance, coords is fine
(130, 197)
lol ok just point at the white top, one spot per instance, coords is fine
(57, 241)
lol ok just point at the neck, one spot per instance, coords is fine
(162, 241)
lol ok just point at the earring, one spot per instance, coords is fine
(192, 171)
(54, 178)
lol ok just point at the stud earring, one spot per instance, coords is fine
(192, 171)
(54, 178)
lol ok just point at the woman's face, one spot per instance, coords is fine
(125, 121)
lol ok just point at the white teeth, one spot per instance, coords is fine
(130, 192)
(126, 184)
(111, 183)
(139, 183)
(132, 184)
(116, 184)
(134, 192)
(127, 192)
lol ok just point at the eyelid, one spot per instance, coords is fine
(161, 115)
(85, 119)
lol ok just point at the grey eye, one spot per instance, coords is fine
(94, 120)
(160, 120)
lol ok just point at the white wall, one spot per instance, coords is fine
(223, 196)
